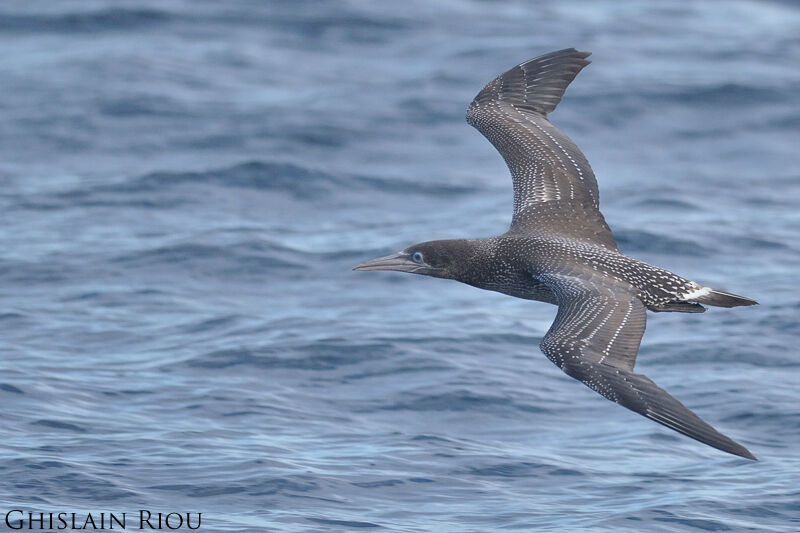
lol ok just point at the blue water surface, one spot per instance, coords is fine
(185, 184)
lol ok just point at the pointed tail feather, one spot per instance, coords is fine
(723, 299)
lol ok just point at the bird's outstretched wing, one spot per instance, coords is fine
(595, 338)
(554, 187)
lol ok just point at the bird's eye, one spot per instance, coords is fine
(417, 257)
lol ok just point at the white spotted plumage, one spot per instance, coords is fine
(560, 250)
(560, 238)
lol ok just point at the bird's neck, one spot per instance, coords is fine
(477, 263)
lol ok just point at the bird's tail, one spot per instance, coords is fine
(721, 299)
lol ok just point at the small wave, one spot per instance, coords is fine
(12, 317)
(84, 22)
(212, 324)
(141, 105)
(87, 486)
(263, 487)
(522, 469)
(668, 204)
(430, 112)
(638, 241)
(176, 190)
(339, 24)
(757, 243)
(29, 272)
(375, 484)
(244, 258)
(342, 523)
(461, 400)
(238, 258)
(723, 95)
(57, 424)
(10, 388)
(323, 355)
(301, 182)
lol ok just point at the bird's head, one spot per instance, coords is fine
(441, 259)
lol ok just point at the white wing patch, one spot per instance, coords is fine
(699, 292)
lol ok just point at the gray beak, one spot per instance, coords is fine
(399, 261)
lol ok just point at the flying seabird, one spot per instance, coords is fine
(560, 250)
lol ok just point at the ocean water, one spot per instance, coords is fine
(185, 185)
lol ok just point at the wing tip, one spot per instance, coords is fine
(567, 54)
(742, 452)
(640, 394)
(538, 83)
(571, 51)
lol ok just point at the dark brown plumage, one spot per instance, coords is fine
(560, 250)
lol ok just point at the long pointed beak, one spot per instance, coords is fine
(399, 261)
